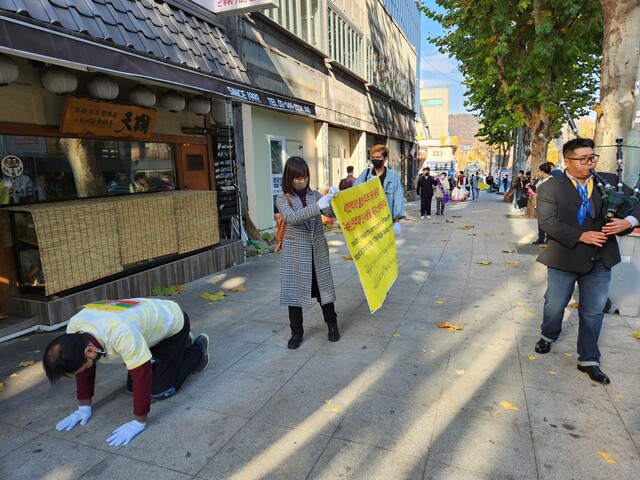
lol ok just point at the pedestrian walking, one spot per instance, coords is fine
(544, 175)
(475, 189)
(348, 181)
(582, 249)
(305, 268)
(425, 190)
(390, 184)
(150, 336)
(505, 183)
(518, 190)
(441, 194)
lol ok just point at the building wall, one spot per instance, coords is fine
(435, 106)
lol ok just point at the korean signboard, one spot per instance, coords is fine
(236, 7)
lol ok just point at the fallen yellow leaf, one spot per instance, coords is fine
(396, 334)
(212, 281)
(528, 314)
(575, 304)
(607, 457)
(542, 246)
(636, 333)
(460, 372)
(508, 406)
(334, 409)
(568, 355)
(618, 395)
(439, 302)
(1, 387)
(551, 372)
(213, 297)
(531, 357)
(508, 251)
(450, 326)
(181, 288)
(519, 304)
(328, 401)
(239, 288)
(26, 364)
(13, 375)
(36, 351)
(484, 262)
(347, 257)
(514, 262)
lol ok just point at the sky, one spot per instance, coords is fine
(438, 70)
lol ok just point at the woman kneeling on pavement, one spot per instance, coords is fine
(306, 272)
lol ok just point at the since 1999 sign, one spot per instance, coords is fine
(236, 7)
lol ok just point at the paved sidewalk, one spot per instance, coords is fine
(395, 398)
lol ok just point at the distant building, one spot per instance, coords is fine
(434, 107)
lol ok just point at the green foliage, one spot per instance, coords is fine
(519, 59)
(169, 291)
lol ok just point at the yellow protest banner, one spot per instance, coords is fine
(365, 219)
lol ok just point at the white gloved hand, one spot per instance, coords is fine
(82, 416)
(334, 191)
(325, 201)
(124, 434)
(396, 229)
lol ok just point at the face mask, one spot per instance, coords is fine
(300, 185)
(377, 163)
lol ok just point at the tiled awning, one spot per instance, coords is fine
(139, 39)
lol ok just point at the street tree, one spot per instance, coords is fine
(619, 72)
(527, 54)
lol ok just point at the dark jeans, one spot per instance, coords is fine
(425, 205)
(439, 206)
(594, 289)
(172, 362)
(295, 313)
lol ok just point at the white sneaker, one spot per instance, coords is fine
(421, 217)
(429, 216)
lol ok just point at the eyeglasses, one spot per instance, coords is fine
(585, 160)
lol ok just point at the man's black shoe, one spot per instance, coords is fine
(295, 341)
(543, 346)
(537, 242)
(595, 373)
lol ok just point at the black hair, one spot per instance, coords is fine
(139, 176)
(64, 355)
(294, 168)
(546, 167)
(576, 143)
(350, 169)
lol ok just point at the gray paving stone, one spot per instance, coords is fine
(13, 438)
(264, 451)
(440, 471)
(124, 468)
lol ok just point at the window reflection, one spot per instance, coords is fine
(46, 169)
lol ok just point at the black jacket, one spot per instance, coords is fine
(425, 185)
(558, 203)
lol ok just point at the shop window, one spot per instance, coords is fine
(48, 169)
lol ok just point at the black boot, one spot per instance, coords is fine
(334, 334)
(295, 341)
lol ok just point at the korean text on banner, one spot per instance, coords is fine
(365, 219)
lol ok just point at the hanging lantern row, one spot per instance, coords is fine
(62, 81)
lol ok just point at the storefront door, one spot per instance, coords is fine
(195, 168)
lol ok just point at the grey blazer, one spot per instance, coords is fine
(557, 210)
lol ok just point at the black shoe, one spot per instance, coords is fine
(334, 334)
(543, 346)
(537, 242)
(595, 373)
(294, 341)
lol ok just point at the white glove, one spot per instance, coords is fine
(334, 191)
(396, 229)
(82, 416)
(124, 434)
(325, 201)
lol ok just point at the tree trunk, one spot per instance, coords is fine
(540, 137)
(619, 71)
(86, 171)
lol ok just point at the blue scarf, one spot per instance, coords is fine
(585, 206)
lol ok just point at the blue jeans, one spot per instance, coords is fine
(517, 195)
(594, 290)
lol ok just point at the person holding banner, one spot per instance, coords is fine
(390, 184)
(305, 271)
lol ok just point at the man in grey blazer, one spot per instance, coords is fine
(582, 248)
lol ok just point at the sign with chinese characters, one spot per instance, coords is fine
(103, 119)
(236, 7)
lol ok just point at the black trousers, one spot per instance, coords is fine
(172, 362)
(425, 205)
(328, 310)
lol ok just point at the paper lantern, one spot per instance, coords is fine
(58, 80)
(103, 87)
(8, 70)
(142, 95)
(172, 101)
(199, 105)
